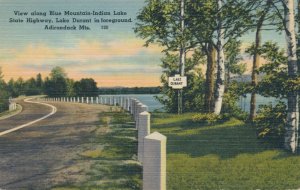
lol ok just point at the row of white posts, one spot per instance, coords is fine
(151, 147)
(106, 100)
(12, 106)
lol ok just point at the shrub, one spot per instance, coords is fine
(209, 118)
(4, 96)
(230, 101)
(270, 122)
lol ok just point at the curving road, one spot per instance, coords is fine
(42, 155)
(29, 113)
(30, 101)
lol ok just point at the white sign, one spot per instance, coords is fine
(177, 82)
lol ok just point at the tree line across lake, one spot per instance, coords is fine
(132, 90)
(57, 84)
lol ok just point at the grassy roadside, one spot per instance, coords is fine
(7, 114)
(222, 156)
(113, 161)
(226, 155)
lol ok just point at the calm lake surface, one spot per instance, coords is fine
(244, 102)
(147, 99)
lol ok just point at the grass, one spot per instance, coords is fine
(6, 114)
(226, 155)
(114, 165)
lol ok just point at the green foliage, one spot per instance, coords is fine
(159, 22)
(55, 87)
(57, 73)
(12, 88)
(275, 81)
(209, 118)
(193, 99)
(70, 88)
(202, 19)
(230, 100)
(86, 87)
(19, 86)
(230, 105)
(39, 81)
(270, 122)
(32, 86)
(58, 84)
(4, 95)
(233, 59)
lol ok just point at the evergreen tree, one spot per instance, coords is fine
(4, 95)
(40, 83)
(56, 85)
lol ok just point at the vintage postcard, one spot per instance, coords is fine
(149, 94)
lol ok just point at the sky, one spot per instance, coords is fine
(113, 57)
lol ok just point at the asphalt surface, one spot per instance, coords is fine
(29, 113)
(42, 155)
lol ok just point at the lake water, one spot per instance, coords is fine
(244, 102)
(147, 99)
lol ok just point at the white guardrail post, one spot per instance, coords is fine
(143, 131)
(155, 162)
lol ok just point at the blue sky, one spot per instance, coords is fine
(121, 57)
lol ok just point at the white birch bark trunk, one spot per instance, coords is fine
(182, 48)
(220, 81)
(291, 134)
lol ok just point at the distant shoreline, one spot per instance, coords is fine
(129, 90)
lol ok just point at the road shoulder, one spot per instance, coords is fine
(9, 114)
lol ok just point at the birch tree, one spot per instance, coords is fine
(210, 52)
(201, 21)
(256, 56)
(220, 82)
(215, 22)
(209, 24)
(163, 22)
(291, 135)
(288, 26)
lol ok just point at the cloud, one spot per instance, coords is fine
(83, 52)
(84, 59)
(130, 80)
(124, 68)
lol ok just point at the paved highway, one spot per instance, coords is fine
(44, 154)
